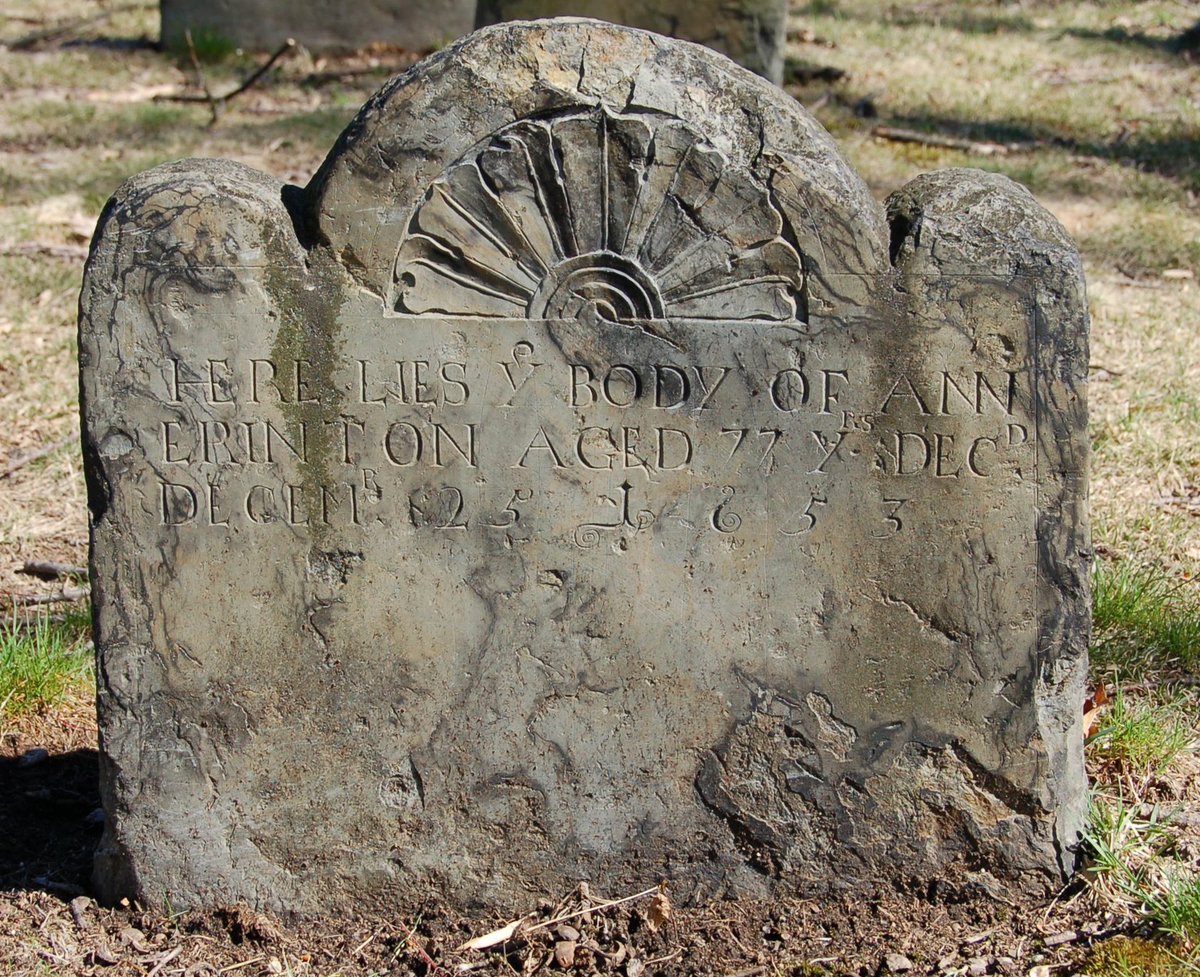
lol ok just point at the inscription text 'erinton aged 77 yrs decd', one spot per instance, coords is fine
(583, 477)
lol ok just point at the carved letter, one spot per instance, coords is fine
(789, 390)
(940, 457)
(263, 511)
(710, 391)
(169, 443)
(213, 502)
(393, 444)
(829, 450)
(624, 379)
(828, 397)
(679, 381)
(603, 434)
(362, 387)
(684, 449)
(467, 454)
(910, 391)
(982, 385)
(578, 371)
(464, 392)
(173, 513)
(973, 456)
(901, 439)
(546, 445)
(254, 379)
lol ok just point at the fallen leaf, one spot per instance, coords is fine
(502, 935)
(564, 953)
(659, 911)
(137, 939)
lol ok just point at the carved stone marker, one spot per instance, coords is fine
(751, 32)
(320, 25)
(583, 478)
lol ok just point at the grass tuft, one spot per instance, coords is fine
(42, 661)
(1176, 909)
(1126, 956)
(1143, 619)
(1144, 737)
(211, 47)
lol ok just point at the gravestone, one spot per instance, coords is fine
(583, 478)
(320, 25)
(751, 32)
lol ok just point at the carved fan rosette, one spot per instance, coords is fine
(633, 216)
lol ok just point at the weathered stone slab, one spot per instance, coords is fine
(583, 478)
(320, 25)
(751, 32)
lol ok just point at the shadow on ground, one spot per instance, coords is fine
(50, 822)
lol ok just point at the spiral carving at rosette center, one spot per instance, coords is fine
(611, 285)
(632, 216)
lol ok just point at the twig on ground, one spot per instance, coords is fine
(65, 595)
(201, 76)
(217, 103)
(950, 142)
(166, 958)
(49, 570)
(239, 966)
(820, 103)
(68, 252)
(18, 463)
(516, 927)
(411, 937)
(49, 35)
(1132, 283)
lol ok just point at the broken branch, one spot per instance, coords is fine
(17, 464)
(48, 570)
(48, 35)
(218, 102)
(949, 142)
(66, 595)
(68, 252)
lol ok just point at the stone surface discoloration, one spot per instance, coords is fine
(751, 32)
(583, 478)
(320, 25)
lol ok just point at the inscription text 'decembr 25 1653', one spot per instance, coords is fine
(455, 426)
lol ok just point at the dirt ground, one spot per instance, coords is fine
(1095, 106)
(50, 820)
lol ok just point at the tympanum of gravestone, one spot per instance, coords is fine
(320, 25)
(751, 32)
(583, 478)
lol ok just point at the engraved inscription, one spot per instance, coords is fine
(445, 437)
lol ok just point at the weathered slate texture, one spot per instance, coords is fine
(583, 478)
(751, 32)
(320, 25)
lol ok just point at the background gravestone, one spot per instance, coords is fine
(320, 25)
(583, 477)
(751, 32)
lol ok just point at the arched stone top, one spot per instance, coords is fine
(571, 78)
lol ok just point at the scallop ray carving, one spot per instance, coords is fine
(634, 216)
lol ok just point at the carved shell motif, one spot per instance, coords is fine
(632, 215)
